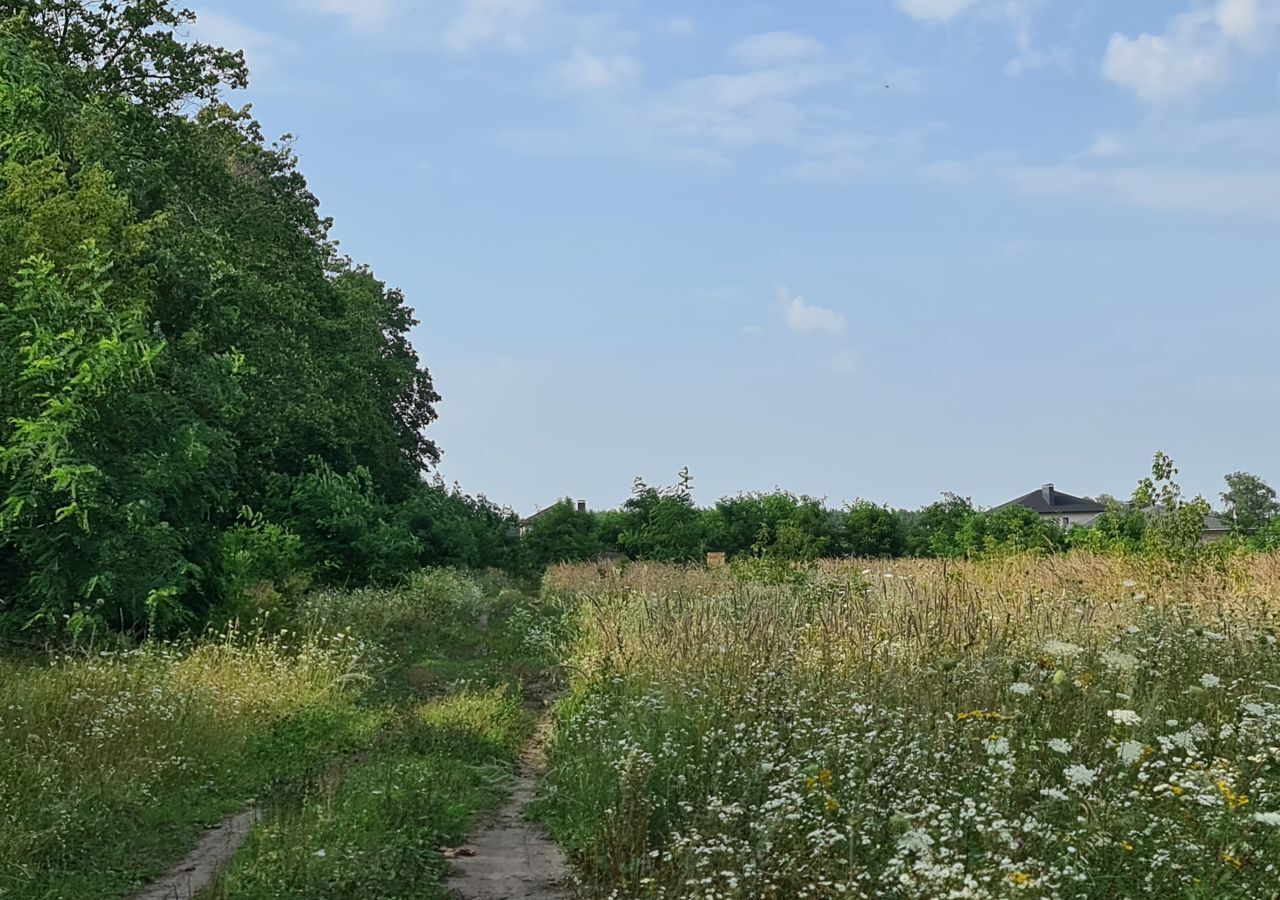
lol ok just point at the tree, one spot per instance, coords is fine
(873, 531)
(562, 533)
(131, 48)
(935, 530)
(1175, 527)
(1250, 502)
(1013, 529)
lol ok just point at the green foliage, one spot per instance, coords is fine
(778, 524)
(662, 524)
(937, 529)
(181, 340)
(1250, 502)
(873, 531)
(1008, 531)
(562, 533)
(1175, 527)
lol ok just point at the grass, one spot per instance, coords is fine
(1067, 727)
(371, 725)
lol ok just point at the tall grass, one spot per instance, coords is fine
(1069, 727)
(112, 761)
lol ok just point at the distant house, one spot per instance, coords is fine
(1068, 511)
(1064, 510)
(527, 523)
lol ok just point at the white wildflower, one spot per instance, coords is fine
(1268, 818)
(1022, 689)
(1129, 752)
(1124, 717)
(1210, 681)
(1062, 648)
(1059, 745)
(1080, 776)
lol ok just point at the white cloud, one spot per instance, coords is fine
(261, 50)
(1163, 188)
(586, 71)
(801, 316)
(1195, 52)
(481, 21)
(680, 26)
(363, 14)
(935, 10)
(949, 171)
(1105, 145)
(773, 48)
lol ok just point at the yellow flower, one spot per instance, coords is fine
(832, 805)
(1234, 862)
(824, 778)
(1128, 847)
(1021, 879)
(1234, 800)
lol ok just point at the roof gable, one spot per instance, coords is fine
(1056, 502)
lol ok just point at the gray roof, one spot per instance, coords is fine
(1061, 503)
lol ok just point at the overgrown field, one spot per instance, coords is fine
(1065, 727)
(370, 726)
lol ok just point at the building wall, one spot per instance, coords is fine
(1072, 520)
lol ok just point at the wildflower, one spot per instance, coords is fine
(1128, 847)
(1021, 879)
(1080, 776)
(1130, 752)
(1062, 648)
(1121, 662)
(1059, 745)
(1022, 689)
(1234, 800)
(1234, 862)
(1268, 818)
(1124, 717)
(1210, 681)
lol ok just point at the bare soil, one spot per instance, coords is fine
(202, 865)
(512, 858)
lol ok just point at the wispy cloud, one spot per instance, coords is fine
(773, 48)
(361, 14)
(802, 316)
(935, 10)
(587, 71)
(261, 50)
(1018, 15)
(1165, 189)
(1194, 53)
(680, 26)
(484, 21)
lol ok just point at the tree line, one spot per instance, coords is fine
(663, 523)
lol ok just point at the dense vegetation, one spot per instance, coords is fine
(201, 400)
(664, 525)
(368, 734)
(1085, 726)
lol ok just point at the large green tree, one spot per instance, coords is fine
(182, 340)
(1250, 502)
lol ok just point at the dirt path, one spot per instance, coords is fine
(203, 864)
(512, 859)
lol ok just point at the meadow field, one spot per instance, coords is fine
(369, 728)
(1074, 726)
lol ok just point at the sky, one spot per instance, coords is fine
(858, 249)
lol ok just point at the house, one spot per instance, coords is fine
(1064, 510)
(526, 523)
(1068, 511)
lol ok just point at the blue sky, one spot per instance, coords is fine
(876, 249)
